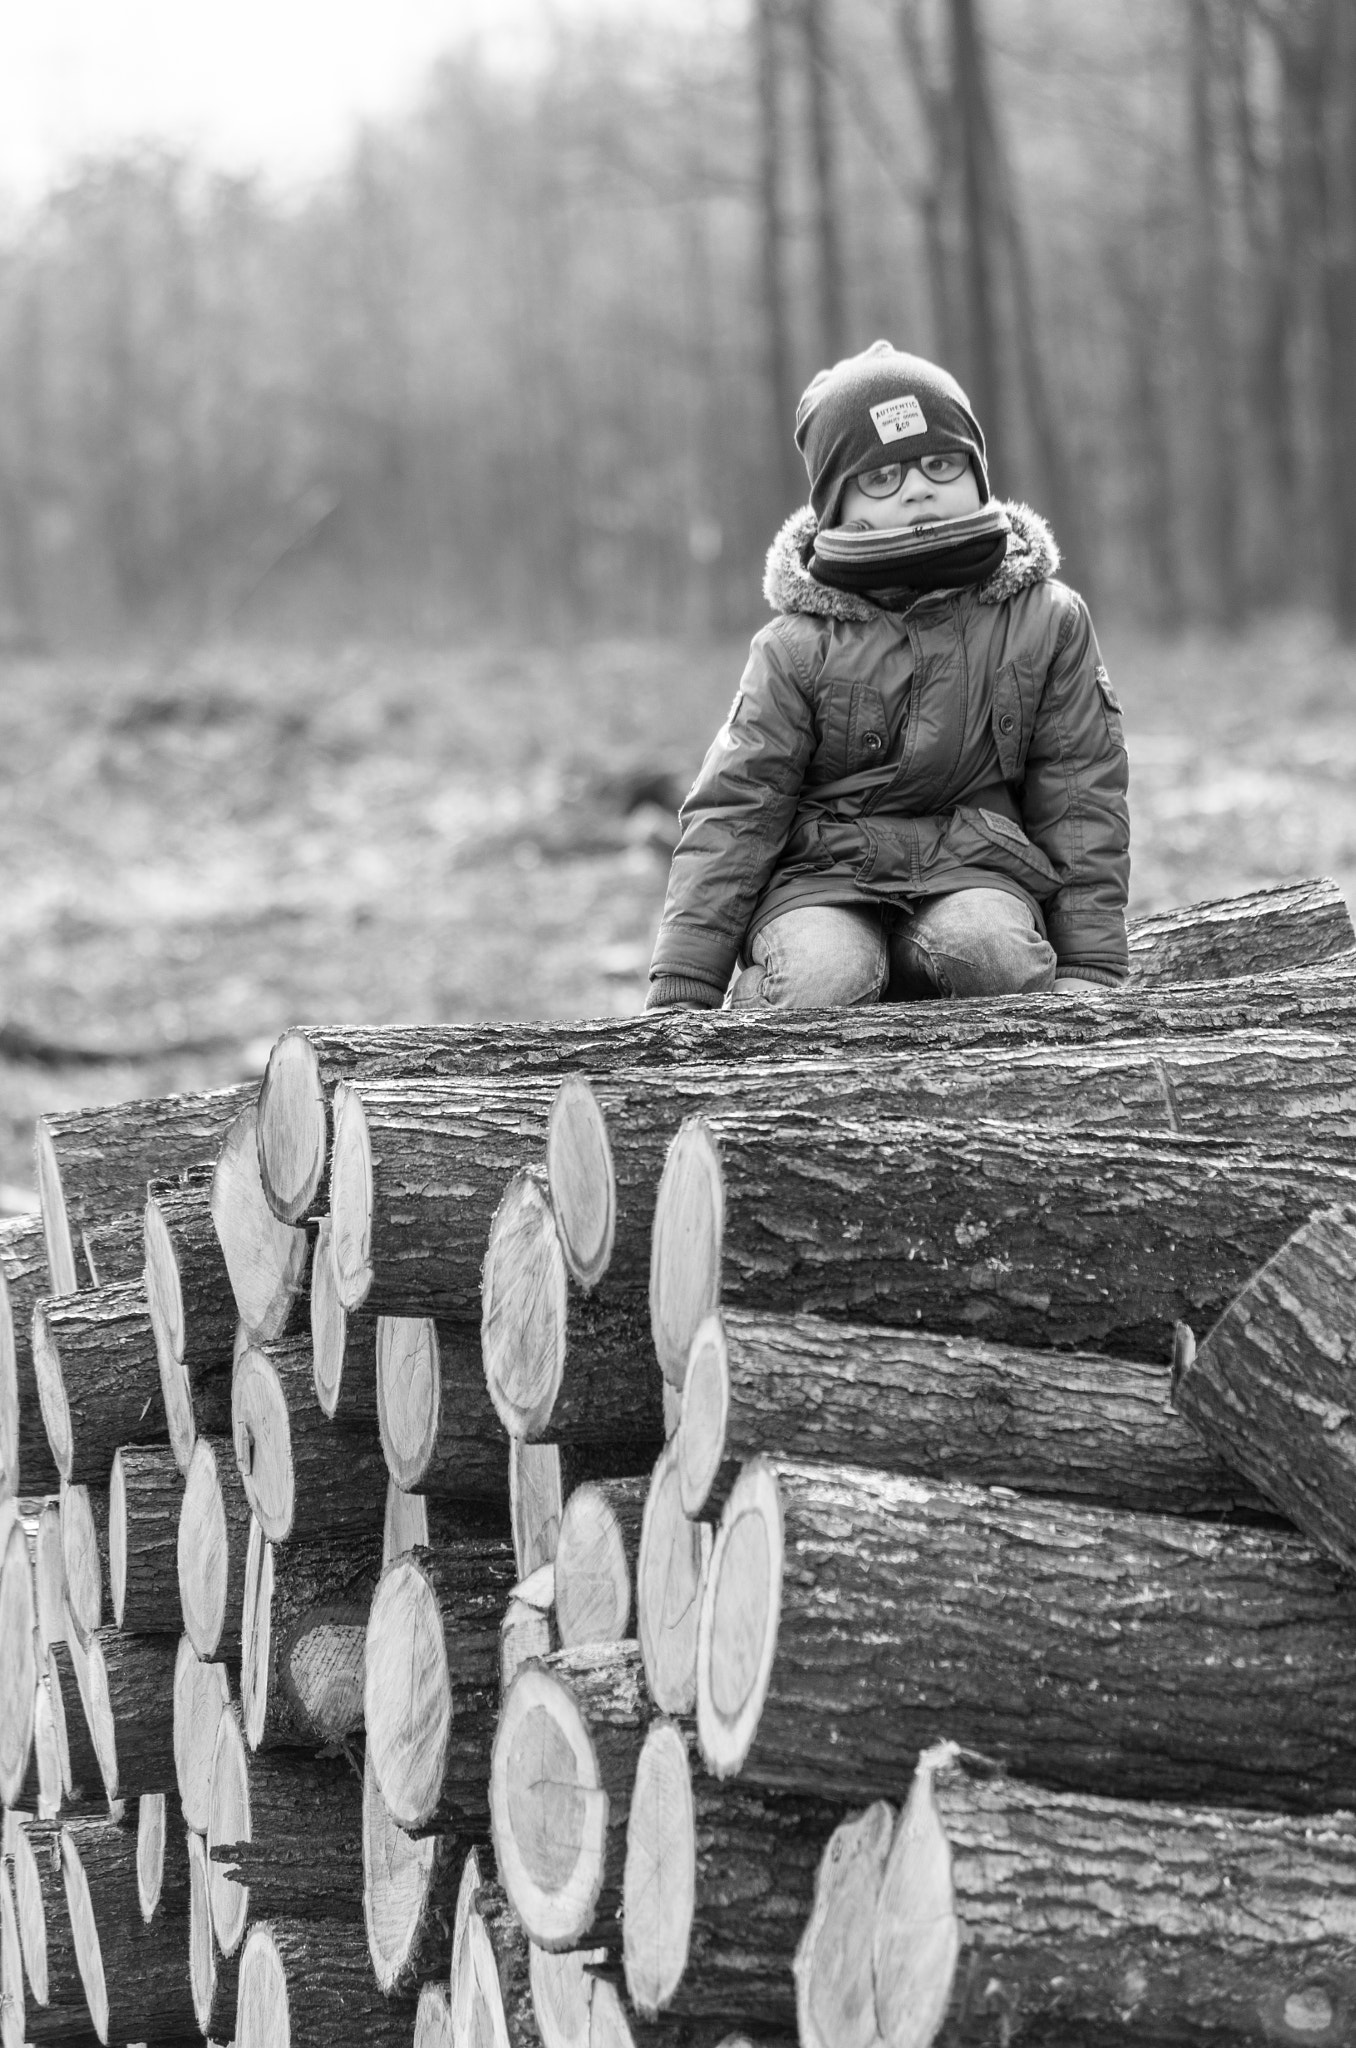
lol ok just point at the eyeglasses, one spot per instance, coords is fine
(885, 481)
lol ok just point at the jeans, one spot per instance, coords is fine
(975, 942)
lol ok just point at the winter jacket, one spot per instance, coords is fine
(879, 756)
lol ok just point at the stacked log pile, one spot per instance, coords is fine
(677, 1532)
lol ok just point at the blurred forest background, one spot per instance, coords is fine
(377, 556)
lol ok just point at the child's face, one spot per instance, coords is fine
(916, 493)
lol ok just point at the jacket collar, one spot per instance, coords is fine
(788, 586)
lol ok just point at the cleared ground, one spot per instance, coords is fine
(196, 852)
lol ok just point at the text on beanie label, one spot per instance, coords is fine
(898, 419)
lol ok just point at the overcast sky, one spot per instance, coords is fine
(275, 84)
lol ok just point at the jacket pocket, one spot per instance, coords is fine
(1111, 708)
(976, 838)
(1013, 716)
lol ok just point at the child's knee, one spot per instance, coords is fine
(976, 942)
(825, 956)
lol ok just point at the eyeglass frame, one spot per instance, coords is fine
(904, 466)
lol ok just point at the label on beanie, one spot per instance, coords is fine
(898, 419)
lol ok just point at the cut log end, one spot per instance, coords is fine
(9, 1395)
(56, 1411)
(202, 1955)
(408, 1394)
(593, 1575)
(165, 1301)
(408, 1697)
(536, 1503)
(32, 1922)
(396, 1872)
(325, 1671)
(487, 2020)
(292, 1131)
(351, 1199)
(329, 1322)
(82, 1556)
(117, 1536)
(150, 1852)
(524, 1309)
(433, 2018)
(228, 1823)
(266, 1259)
(256, 1632)
(84, 1933)
(204, 1552)
(659, 1886)
(262, 2016)
(562, 1993)
(704, 1416)
(917, 1934)
(18, 1661)
(201, 1692)
(737, 1631)
(56, 1228)
(671, 1572)
(548, 1810)
(406, 1524)
(685, 1250)
(263, 1442)
(835, 1992)
(12, 2028)
(582, 1180)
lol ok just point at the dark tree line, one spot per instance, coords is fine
(533, 352)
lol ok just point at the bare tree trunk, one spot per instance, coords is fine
(1339, 312)
(934, 110)
(1218, 470)
(830, 276)
(771, 240)
(985, 388)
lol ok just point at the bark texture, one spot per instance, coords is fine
(82, 1774)
(130, 1704)
(1066, 1423)
(85, 1555)
(98, 1377)
(146, 1494)
(1137, 1656)
(136, 1979)
(304, 1849)
(26, 1462)
(55, 2009)
(314, 1979)
(94, 1166)
(1091, 1921)
(1270, 1389)
(1264, 932)
(193, 1311)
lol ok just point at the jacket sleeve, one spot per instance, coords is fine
(737, 815)
(1074, 803)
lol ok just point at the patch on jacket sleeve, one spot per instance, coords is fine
(1109, 697)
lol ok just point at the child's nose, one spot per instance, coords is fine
(914, 481)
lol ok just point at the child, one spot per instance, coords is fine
(920, 789)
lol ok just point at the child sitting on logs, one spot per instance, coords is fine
(920, 790)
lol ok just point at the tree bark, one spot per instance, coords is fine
(40, 1791)
(284, 1829)
(85, 1554)
(304, 1624)
(98, 1378)
(309, 1984)
(848, 1616)
(497, 1953)
(136, 1986)
(438, 1427)
(409, 1892)
(201, 1694)
(210, 1547)
(565, 1755)
(25, 1454)
(55, 2009)
(595, 1561)
(344, 1346)
(162, 1861)
(1021, 1235)
(1057, 1908)
(1069, 1424)
(18, 1656)
(1267, 934)
(525, 1633)
(266, 1259)
(129, 1702)
(303, 1476)
(432, 1682)
(81, 1773)
(94, 1165)
(671, 1570)
(719, 1883)
(192, 1308)
(145, 1500)
(1270, 1387)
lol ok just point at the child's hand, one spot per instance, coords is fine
(682, 992)
(1074, 985)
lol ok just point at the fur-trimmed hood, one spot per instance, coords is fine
(788, 585)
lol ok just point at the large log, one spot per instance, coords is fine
(1068, 1423)
(438, 1427)
(192, 1308)
(303, 1633)
(214, 1979)
(93, 1166)
(98, 1378)
(1270, 1388)
(433, 2018)
(201, 1694)
(18, 1655)
(210, 1547)
(409, 1894)
(719, 1884)
(309, 1984)
(1021, 1235)
(25, 1455)
(266, 1259)
(494, 1966)
(49, 1575)
(1295, 924)
(55, 2009)
(432, 1680)
(135, 1979)
(283, 1831)
(41, 1790)
(849, 1615)
(1018, 1914)
(343, 1346)
(671, 1569)
(541, 1478)
(128, 1693)
(145, 1498)
(85, 1553)
(300, 1478)
(595, 1561)
(162, 1861)
(564, 1761)
(82, 1776)
(306, 1064)
(13, 2005)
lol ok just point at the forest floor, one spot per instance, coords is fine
(199, 851)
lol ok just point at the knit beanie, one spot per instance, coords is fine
(881, 406)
